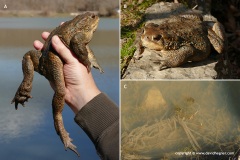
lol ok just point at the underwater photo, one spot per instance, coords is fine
(179, 119)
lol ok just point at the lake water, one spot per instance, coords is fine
(40, 23)
(180, 119)
(28, 133)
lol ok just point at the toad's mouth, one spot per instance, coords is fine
(95, 25)
(149, 43)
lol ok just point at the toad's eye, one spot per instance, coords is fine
(157, 37)
(93, 16)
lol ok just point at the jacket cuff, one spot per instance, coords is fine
(96, 116)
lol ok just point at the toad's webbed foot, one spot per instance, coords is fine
(30, 59)
(22, 95)
(67, 141)
(59, 127)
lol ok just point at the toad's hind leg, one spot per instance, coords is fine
(30, 63)
(174, 58)
(58, 103)
(216, 33)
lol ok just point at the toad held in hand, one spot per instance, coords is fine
(75, 35)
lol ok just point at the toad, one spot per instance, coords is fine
(181, 38)
(75, 34)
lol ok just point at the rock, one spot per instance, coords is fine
(146, 69)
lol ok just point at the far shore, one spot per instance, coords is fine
(32, 13)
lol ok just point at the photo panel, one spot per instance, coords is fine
(29, 132)
(179, 39)
(180, 119)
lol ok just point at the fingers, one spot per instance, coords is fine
(45, 35)
(57, 44)
(62, 50)
(37, 45)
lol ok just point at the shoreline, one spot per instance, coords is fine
(31, 13)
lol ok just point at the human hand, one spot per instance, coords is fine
(80, 87)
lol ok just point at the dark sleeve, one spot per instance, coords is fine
(99, 118)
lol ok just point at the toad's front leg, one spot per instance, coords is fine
(79, 48)
(29, 64)
(175, 58)
(93, 60)
(139, 46)
(83, 52)
(57, 78)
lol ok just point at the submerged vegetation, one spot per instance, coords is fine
(180, 123)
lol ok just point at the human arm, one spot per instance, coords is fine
(99, 118)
